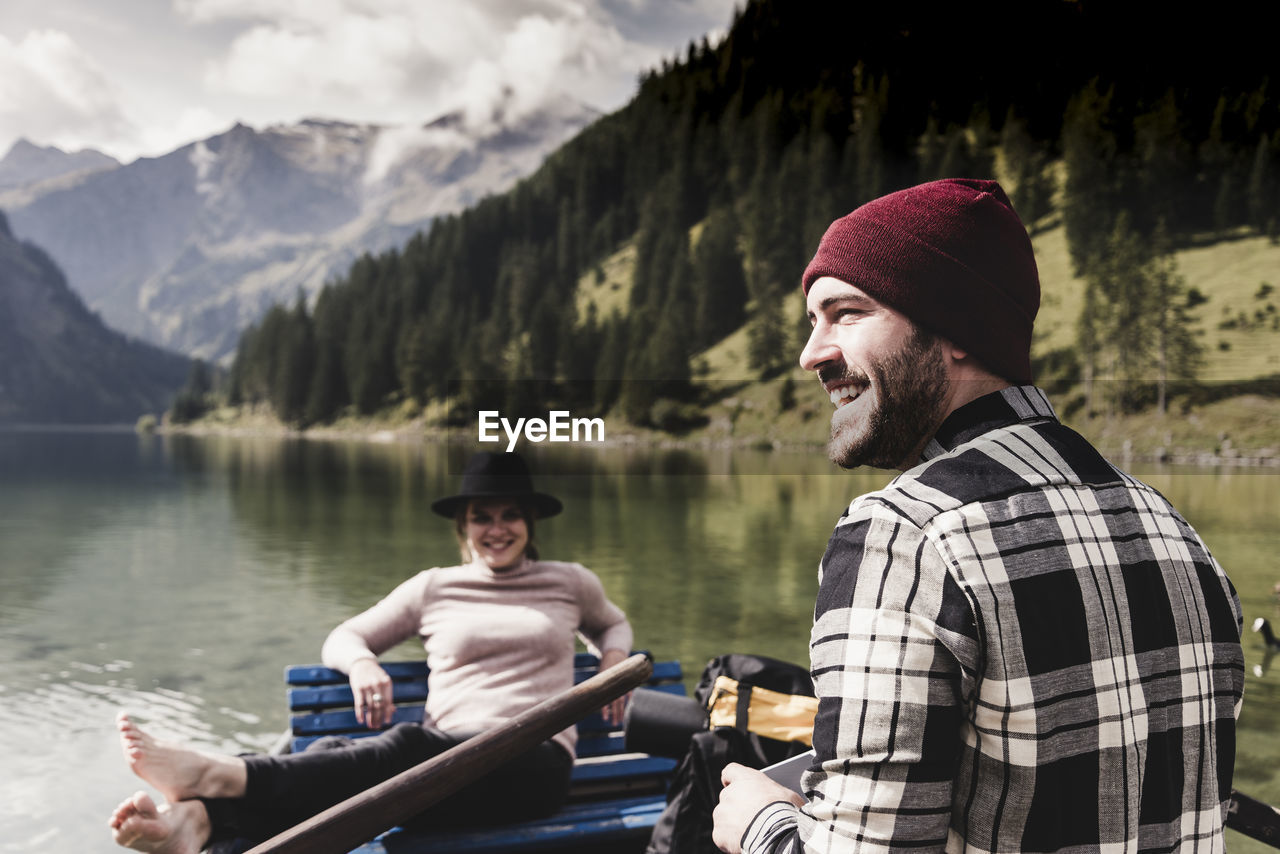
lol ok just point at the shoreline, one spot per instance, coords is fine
(1217, 452)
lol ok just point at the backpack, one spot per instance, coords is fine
(760, 711)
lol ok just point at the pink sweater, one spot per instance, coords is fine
(497, 643)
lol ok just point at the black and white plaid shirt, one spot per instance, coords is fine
(1017, 648)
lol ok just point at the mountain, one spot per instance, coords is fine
(604, 281)
(58, 362)
(187, 249)
(26, 163)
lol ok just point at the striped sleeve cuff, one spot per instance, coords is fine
(773, 830)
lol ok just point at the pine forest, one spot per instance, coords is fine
(599, 283)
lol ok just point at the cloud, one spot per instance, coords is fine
(540, 58)
(191, 123)
(420, 58)
(363, 58)
(153, 76)
(393, 143)
(52, 90)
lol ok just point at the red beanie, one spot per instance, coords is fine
(952, 256)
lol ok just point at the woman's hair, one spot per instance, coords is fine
(460, 528)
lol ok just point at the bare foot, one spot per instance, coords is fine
(180, 828)
(179, 772)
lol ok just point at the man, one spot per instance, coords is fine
(1016, 646)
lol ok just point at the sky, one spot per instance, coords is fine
(137, 78)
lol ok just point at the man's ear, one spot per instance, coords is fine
(964, 366)
(954, 351)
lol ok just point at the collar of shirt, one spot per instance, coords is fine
(1012, 405)
(514, 571)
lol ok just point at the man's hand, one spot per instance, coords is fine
(613, 712)
(746, 792)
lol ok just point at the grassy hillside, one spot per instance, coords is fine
(1240, 323)
(1238, 326)
(608, 285)
(788, 409)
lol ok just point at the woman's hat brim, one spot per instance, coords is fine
(543, 505)
(497, 475)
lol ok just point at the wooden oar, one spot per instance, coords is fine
(1253, 818)
(360, 818)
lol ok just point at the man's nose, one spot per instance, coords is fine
(819, 349)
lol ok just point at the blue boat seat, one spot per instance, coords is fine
(615, 797)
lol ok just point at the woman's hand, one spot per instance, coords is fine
(613, 712)
(371, 690)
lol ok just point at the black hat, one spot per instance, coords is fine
(490, 475)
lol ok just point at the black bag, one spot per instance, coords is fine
(742, 692)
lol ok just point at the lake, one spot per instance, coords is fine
(175, 576)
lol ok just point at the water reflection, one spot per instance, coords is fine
(176, 575)
(58, 491)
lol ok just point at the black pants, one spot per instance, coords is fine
(283, 791)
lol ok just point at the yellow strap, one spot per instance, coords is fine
(786, 717)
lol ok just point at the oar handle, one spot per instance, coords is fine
(358, 819)
(1253, 818)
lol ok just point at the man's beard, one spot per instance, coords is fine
(910, 387)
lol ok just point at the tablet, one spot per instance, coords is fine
(787, 772)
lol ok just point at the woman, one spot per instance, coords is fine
(498, 631)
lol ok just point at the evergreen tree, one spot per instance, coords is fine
(481, 379)
(611, 368)
(578, 353)
(1164, 164)
(866, 147)
(776, 207)
(1220, 168)
(1178, 355)
(929, 152)
(667, 354)
(1123, 278)
(542, 348)
(200, 380)
(822, 199)
(957, 159)
(295, 365)
(261, 355)
(192, 400)
(980, 143)
(662, 245)
(328, 392)
(1090, 333)
(413, 366)
(1026, 165)
(767, 340)
(1134, 329)
(638, 388)
(719, 283)
(1264, 190)
(1088, 202)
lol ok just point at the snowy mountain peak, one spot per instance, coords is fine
(186, 249)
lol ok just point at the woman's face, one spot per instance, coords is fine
(496, 532)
